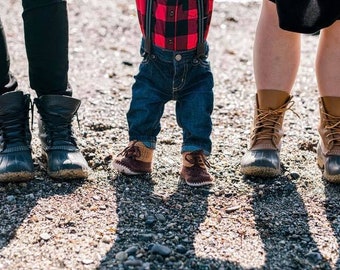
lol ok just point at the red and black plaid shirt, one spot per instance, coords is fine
(175, 22)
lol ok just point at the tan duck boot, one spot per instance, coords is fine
(135, 159)
(263, 157)
(328, 150)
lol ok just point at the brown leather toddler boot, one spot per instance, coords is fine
(194, 169)
(263, 157)
(135, 159)
(328, 150)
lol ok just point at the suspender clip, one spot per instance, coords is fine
(201, 50)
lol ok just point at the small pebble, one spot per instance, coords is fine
(160, 249)
(181, 249)
(121, 256)
(133, 263)
(131, 250)
(45, 236)
(87, 261)
(10, 198)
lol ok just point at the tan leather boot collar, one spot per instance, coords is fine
(146, 153)
(271, 99)
(331, 105)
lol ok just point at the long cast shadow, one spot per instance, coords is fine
(332, 206)
(282, 221)
(159, 233)
(18, 199)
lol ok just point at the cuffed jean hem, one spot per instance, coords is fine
(146, 141)
(151, 145)
(192, 148)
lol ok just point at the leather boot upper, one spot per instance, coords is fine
(263, 157)
(135, 159)
(15, 151)
(329, 126)
(64, 159)
(267, 131)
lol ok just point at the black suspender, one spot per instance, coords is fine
(200, 42)
(148, 26)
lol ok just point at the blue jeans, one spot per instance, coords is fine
(173, 75)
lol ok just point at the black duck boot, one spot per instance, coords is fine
(15, 138)
(59, 147)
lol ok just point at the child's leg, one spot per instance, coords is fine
(194, 107)
(145, 112)
(193, 110)
(150, 92)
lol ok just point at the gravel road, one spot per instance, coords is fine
(156, 222)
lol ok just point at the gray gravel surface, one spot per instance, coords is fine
(156, 222)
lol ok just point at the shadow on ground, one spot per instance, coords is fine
(332, 192)
(282, 221)
(173, 222)
(160, 233)
(18, 200)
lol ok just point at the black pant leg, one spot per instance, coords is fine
(46, 39)
(4, 59)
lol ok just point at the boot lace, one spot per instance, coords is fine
(268, 122)
(333, 128)
(131, 151)
(58, 128)
(14, 128)
(197, 159)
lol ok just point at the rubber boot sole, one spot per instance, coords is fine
(330, 178)
(16, 177)
(68, 174)
(198, 183)
(125, 170)
(260, 171)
